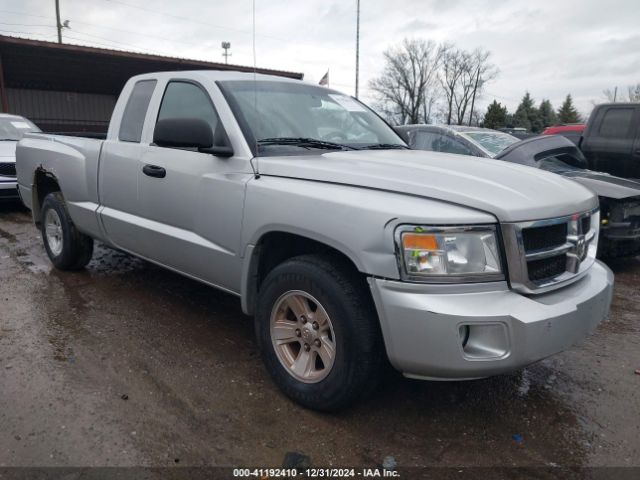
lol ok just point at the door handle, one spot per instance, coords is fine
(154, 171)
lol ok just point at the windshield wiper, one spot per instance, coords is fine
(305, 143)
(385, 146)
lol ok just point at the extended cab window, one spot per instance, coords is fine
(616, 122)
(450, 145)
(135, 111)
(186, 100)
(426, 140)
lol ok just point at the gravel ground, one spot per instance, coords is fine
(127, 364)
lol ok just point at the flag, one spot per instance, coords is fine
(325, 80)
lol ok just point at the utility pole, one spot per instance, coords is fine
(615, 94)
(226, 46)
(473, 98)
(357, 46)
(58, 24)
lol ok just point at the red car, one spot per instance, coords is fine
(573, 131)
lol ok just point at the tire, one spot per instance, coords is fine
(67, 248)
(338, 291)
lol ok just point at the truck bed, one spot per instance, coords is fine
(75, 162)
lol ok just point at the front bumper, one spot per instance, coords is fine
(424, 327)
(8, 188)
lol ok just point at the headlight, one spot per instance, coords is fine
(449, 254)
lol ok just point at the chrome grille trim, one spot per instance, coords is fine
(579, 249)
(546, 253)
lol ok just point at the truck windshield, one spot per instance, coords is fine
(492, 142)
(286, 118)
(14, 128)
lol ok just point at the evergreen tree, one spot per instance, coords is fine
(509, 123)
(547, 114)
(567, 112)
(496, 116)
(527, 115)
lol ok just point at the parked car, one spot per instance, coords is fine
(12, 129)
(572, 131)
(518, 132)
(619, 197)
(343, 243)
(611, 139)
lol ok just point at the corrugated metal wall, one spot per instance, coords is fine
(55, 111)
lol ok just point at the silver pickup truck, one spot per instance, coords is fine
(347, 247)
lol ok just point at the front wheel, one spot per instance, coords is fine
(318, 331)
(67, 248)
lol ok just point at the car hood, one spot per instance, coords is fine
(510, 192)
(529, 151)
(8, 150)
(605, 185)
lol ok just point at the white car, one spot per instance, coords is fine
(12, 129)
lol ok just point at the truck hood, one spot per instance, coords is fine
(8, 151)
(512, 193)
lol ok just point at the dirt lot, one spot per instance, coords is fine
(128, 364)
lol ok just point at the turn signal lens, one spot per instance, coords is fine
(419, 241)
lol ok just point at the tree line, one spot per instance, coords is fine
(527, 115)
(426, 82)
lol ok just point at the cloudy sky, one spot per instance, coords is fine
(549, 48)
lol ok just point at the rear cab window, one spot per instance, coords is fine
(136, 111)
(426, 140)
(616, 122)
(447, 144)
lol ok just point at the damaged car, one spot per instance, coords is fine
(619, 197)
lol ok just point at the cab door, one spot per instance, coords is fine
(118, 176)
(609, 145)
(191, 202)
(635, 159)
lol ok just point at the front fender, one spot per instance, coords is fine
(359, 222)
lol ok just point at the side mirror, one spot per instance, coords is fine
(190, 133)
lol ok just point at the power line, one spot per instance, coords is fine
(192, 20)
(113, 41)
(157, 37)
(186, 19)
(73, 20)
(13, 12)
(27, 25)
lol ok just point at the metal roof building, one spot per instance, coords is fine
(71, 88)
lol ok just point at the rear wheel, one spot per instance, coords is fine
(67, 248)
(318, 331)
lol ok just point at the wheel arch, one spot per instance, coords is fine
(274, 247)
(44, 183)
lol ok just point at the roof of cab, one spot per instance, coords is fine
(215, 75)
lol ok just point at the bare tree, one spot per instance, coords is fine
(611, 95)
(453, 65)
(614, 95)
(406, 91)
(463, 77)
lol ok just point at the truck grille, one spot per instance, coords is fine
(547, 268)
(544, 237)
(548, 253)
(7, 169)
